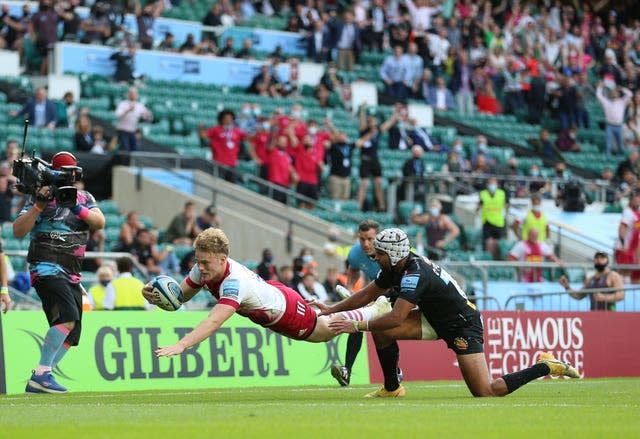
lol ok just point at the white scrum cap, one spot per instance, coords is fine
(394, 242)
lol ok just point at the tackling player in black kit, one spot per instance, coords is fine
(442, 307)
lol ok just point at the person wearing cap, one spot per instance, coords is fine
(603, 278)
(430, 305)
(58, 237)
(209, 218)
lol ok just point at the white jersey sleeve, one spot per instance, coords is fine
(250, 295)
(546, 249)
(628, 217)
(518, 251)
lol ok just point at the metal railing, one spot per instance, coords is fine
(140, 160)
(451, 183)
(23, 300)
(483, 268)
(94, 255)
(563, 300)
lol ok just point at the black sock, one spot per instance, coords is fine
(354, 343)
(388, 358)
(518, 379)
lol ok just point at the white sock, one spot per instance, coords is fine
(41, 370)
(365, 313)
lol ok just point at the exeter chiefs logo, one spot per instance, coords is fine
(461, 343)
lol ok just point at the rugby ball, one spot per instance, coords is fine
(168, 293)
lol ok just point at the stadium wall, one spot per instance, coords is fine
(252, 222)
(598, 344)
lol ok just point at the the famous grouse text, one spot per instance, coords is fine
(514, 342)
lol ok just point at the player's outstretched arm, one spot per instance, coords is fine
(390, 320)
(218, 315)
(357, 300)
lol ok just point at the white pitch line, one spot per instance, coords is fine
(250, 390)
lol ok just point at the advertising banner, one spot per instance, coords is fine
(116, 353)
(598, 344)
(265, 40)
(81, 58)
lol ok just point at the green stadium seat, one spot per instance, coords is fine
(108, 207)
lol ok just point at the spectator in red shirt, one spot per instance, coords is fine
(293, 125)
(308, 166)
(258, 150)
(319, 138)
(281, 171)
(224, 140)
(486, 99)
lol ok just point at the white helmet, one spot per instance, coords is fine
(394, 242)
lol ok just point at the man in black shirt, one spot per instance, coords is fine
(443, 311)
(124, 65)
(339, 157)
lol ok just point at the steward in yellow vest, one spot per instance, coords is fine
(101, 294)
(128, 289)
(493, 206)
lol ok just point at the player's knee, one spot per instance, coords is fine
(483, 393)
(69, 325)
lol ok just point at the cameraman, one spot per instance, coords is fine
(58, 240)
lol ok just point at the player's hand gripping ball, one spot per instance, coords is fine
(168, 293)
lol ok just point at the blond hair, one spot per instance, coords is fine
(105, 270)
(212, 240)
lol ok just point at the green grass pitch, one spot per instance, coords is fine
(590, 408)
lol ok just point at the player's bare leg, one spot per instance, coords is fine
(476, 375)
(410, 329)
(322, 332)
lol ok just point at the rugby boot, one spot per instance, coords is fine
(384, 393)
(557, 367)
(341, 374)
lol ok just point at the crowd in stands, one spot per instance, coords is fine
(535, 60)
